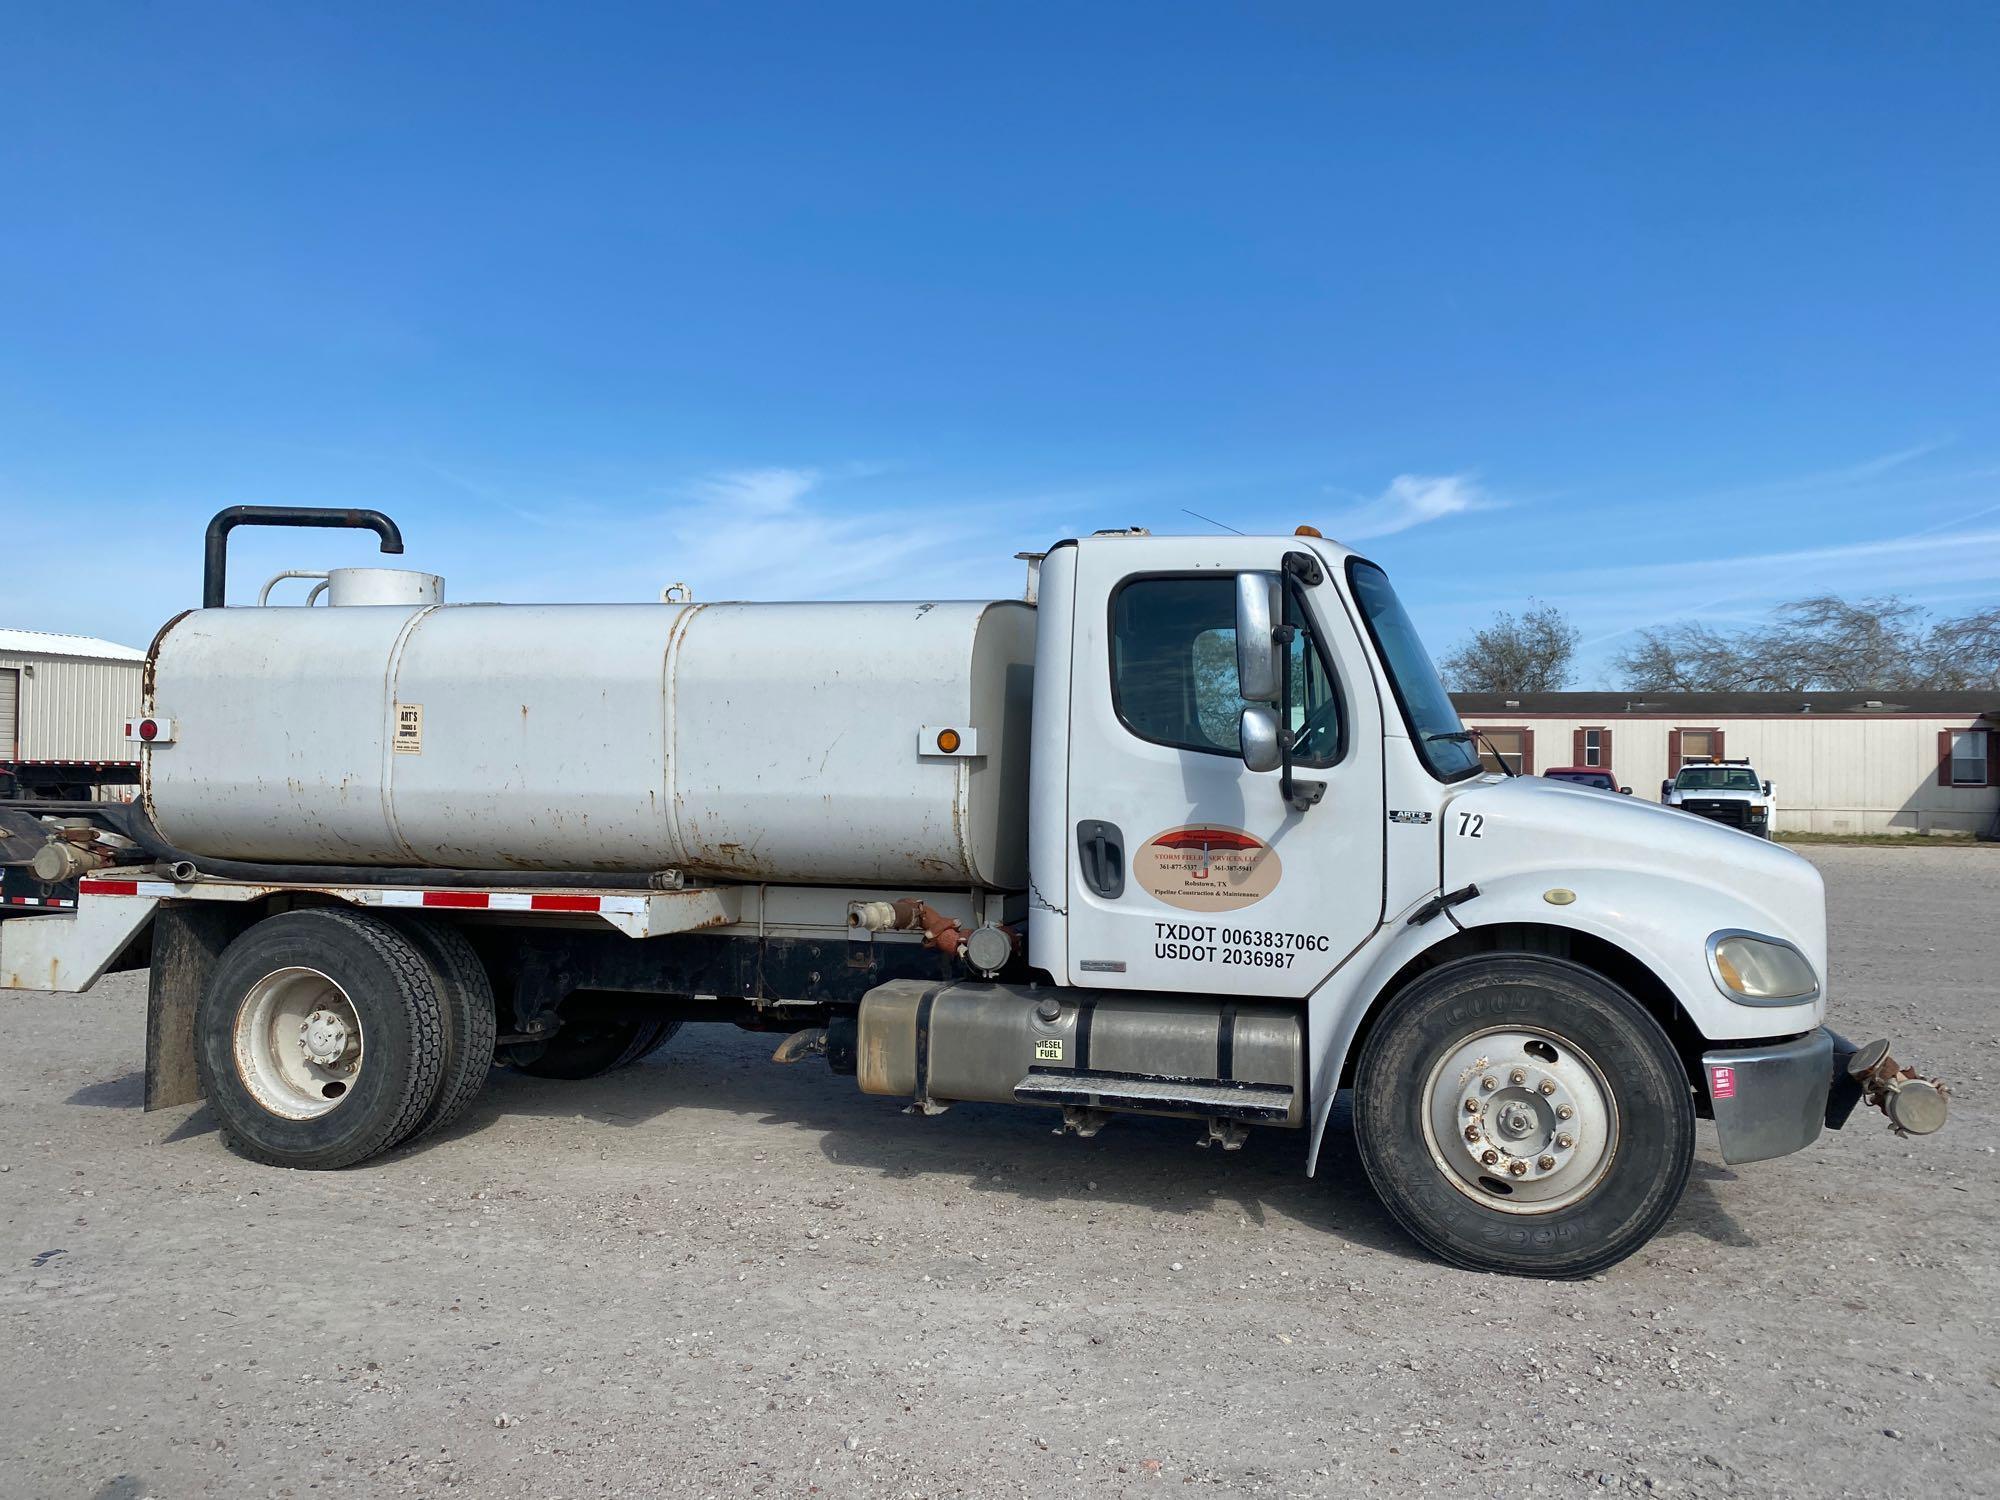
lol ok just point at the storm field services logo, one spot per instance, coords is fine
(1205, 868)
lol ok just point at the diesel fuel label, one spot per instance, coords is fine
(1203, 867)
(1244, 947)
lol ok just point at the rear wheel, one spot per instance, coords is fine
(320, 1039)
(648, 1042)
(1523, 1115)
(470, 1020)
(588, 1046)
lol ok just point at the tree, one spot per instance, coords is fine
(1821, 644)
(1964, 653)
(1531, 654)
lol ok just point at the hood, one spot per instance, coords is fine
(1531, 825)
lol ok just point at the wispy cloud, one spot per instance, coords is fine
(1412, 500)
(1867, 471)
(1934, 562)
(1924, 560)
(756, 492)
(808, 532)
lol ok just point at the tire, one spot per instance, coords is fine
(1443, 1126)
(383, 1048)
(588, 1047)
(648, 1042)
(471, 1020)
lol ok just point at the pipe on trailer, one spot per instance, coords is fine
(129, 819)
(215, 550)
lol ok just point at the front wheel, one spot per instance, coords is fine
(1523, 1115)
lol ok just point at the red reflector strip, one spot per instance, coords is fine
(564, 903)
(510, 901)
(109, 887)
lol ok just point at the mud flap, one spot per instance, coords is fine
(187, 941)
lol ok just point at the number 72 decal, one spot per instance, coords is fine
(1469, 824)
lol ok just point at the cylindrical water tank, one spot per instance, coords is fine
(766, 742)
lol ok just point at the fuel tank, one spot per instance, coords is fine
(797, 743)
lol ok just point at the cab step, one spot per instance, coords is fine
(1218, 1097)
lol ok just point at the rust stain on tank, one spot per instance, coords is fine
(732, 859)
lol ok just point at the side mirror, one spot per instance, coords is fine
(1258, 730)
(1665, 787)
(1767, 789)
(1258, 610)
(1625, 791)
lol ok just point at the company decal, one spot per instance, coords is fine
(1203, 867)
(1722, 1082)
(1397, 816)
(409, 729)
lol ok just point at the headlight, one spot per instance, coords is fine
(1757, 809)
(1754, 970)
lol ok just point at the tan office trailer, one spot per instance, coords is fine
(64, 703)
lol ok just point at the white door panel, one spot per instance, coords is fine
(1221, 887)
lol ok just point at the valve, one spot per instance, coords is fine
(1915, 1105)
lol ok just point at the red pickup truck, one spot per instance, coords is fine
(1597, 776)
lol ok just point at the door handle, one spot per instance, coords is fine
(1100, 853)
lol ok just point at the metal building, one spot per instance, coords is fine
(64, 700)
(1838, 762)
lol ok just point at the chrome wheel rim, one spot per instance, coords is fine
(298, 1043)
(1521, 1120)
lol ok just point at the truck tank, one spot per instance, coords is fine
(797, 743)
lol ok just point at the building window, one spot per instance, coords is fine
(1696, 746)
(1968, 757)
(1593, 747)
(1510, 750)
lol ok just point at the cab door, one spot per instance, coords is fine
(1189, 871)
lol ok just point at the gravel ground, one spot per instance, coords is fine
(712, 1276)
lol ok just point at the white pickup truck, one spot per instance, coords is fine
(1191, 830)
(1729, 792)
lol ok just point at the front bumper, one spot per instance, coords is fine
(1773, 1100)
(1729, 813)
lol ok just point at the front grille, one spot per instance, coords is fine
(1722, 809)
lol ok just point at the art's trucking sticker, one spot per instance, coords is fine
(1202, 867)
(409, 729)
(1722, 1082)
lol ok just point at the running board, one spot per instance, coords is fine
(1214, 1097)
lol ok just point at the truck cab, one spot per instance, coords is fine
(1193, 831)
(1729, 792)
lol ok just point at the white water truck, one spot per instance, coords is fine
(1192, 830)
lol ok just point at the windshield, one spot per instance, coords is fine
(1717, 779)
(1441, 739)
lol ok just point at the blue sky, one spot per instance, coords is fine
(1646, 314)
